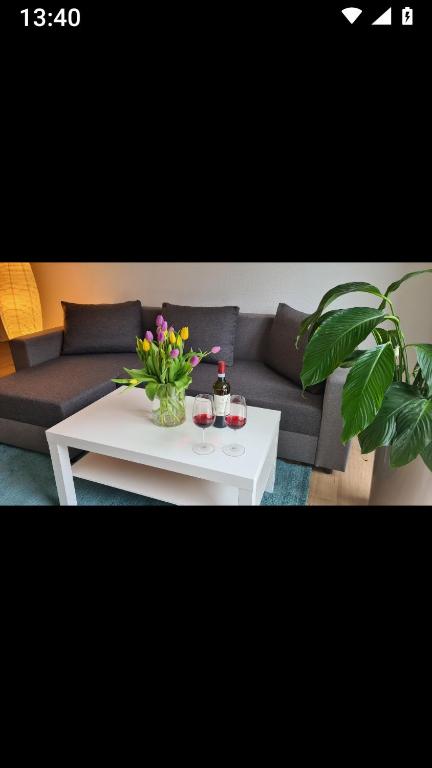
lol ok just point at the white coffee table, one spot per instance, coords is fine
(126, 450)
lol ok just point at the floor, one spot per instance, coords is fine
(349, 488)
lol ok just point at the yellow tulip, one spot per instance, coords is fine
(146, 345)
(172, 338)
(184, 333)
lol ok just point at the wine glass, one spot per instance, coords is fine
(235, 418)
(203, 415)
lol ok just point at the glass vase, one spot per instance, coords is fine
(169, 408)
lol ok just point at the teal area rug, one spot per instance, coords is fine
(27, 479)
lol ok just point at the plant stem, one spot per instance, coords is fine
(403, 360)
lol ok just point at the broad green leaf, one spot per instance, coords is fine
(332, 295)
(352, 358)
(383, 428)
(424, 357)
(151, 389)
(382, 336)
(335, 339)
(414, 432)
(364, 389)
(394, 286)
(426, 455)
(320, 320)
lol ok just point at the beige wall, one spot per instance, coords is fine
(253, 286)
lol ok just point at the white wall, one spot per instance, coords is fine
(253, 286)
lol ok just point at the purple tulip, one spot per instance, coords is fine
(171, 329)
(194, 361)
(149, 336)
(215, 350)
(160, 337)
(159, 319)
(174, 353)
(164, 325)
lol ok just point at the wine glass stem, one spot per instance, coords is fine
(203, 437)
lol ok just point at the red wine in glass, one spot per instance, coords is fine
(235, 418)
(235, 422)
(203, 416)
(203, 420)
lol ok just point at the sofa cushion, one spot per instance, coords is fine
(280, 352)
(264, 388)
(97, 328)
(208, 327)
(51, 391)
(149, 315)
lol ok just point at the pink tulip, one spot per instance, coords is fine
(159, 319)
(194, 361)
(215, 350)
(164, 325)
(149, 336)
(174, 353)
(160, 337)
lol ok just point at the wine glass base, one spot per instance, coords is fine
(203, 449)
(233, 449)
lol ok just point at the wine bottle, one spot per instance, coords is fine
(221, 392)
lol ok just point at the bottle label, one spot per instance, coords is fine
(220, 404)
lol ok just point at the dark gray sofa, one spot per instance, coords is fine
(48, 386)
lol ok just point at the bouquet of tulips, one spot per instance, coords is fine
(167, 368)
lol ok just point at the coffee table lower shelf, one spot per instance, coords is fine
(154, 483)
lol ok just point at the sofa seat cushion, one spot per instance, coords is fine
(264, 388)
(52, 391)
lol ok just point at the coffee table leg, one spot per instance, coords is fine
(63, 474)
(246, 498)
(272, 475)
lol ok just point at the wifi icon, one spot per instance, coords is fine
(352, 14)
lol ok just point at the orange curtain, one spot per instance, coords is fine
(20, 307)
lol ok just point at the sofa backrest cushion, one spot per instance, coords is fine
(149, 315)
(280, 352)
(208, 327)
(98, 328)
(252, 336)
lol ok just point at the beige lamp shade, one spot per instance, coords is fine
(20, 307)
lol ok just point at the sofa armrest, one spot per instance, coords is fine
(36, 348)
(331, 453)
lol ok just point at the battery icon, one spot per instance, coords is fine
(407, 17)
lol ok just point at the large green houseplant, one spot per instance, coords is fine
(382, 401)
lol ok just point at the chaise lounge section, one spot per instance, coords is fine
(49, 386)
